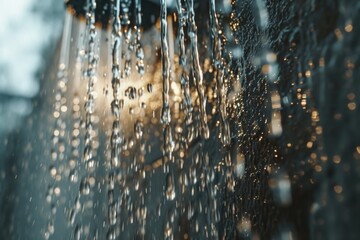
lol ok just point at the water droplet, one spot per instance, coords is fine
(170, 188)
(90, 106)
(51, 228)
(78, 233)
(139, 129)
(53, 171)
(149, 87)
(111, 235)
(239, 165)
(115, 108)
(84, 187)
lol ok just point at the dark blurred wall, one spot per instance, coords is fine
(317, 48)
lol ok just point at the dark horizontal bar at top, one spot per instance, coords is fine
(150, 11)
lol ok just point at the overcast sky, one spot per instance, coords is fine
(26, 28)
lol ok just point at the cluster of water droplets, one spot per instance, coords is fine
(196, 70)
(58, 151)
(88, 179)
(172, 141)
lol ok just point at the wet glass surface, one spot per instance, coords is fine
(188, 120)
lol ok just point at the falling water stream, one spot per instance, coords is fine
(122, 144)
(174, 124)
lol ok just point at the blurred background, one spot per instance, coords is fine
(28, 37)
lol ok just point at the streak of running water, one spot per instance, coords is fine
(116, 68)
(125, 21)
(88, 180)
(219, 75)
(165, 112)
(139, 51)
(140, 204)
(116, 138)
(91, 74)
(128, 210)
(196, 69)
(185, 84)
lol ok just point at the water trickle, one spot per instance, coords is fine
(196, 68)
(78, 233)
(170, 188)
(90, 137)
(165, 62)
(219, 76)
(185, 84)
(116, 106)
(139, 52)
